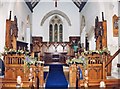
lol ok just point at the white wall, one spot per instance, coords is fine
(22, 11)
(3, 15)
(93, 9)
(19, 9)
(43, 8)
(111, 8)
(90, 11)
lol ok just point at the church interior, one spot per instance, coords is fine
(62, 44)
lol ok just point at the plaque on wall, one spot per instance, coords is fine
(115, 26)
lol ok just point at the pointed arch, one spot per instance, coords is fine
(55, 29)
(58, 13)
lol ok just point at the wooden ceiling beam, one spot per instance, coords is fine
(81, 6)
(33, 3)
(29, 5)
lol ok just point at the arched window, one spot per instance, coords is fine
(60, 33)
(56, 33)
(55, 29)
(50, 32)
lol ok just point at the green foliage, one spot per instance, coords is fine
(104, 50)
(80, 60)
(13, 51)
(30, 61)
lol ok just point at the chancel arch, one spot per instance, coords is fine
(53, 12)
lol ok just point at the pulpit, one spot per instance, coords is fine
(54, 57)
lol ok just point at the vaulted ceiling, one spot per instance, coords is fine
(32, 3)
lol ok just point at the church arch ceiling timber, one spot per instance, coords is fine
(57, 12)
(32, 3)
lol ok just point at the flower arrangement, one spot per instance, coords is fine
(32, 61)
(81, 60)
(104, 50)
(74, 60)
(13, 51)
(29, 61)
(77, 60)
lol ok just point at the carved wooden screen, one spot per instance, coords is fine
(11, 33)
(100, 34)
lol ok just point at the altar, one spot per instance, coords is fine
(54, 57)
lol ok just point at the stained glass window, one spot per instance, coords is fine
(56, 29)
(56, 33)
(50, 33)
(60, 33)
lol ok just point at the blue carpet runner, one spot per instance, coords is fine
(56, 78)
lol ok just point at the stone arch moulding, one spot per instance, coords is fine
(55, 12)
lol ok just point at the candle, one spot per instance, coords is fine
(102, 84)
(18, 80)
(30, 70)
(86, 72)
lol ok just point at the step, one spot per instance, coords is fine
(110, 77)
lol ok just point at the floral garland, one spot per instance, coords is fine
(29, 61)
(105, 50)
(77, 60)
(83, 59)
(13, 51)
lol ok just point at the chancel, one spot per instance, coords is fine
(61, 44)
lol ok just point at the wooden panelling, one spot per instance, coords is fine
(95, 71)
(96, 83)
(22, 45)
(72, 75)
(11, 33)
(104, 36)
(100, 34)
(14, 66)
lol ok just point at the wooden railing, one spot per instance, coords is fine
(99, 66)
(110, 60)
(14, 59)
(14, 66)
(96, 68)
